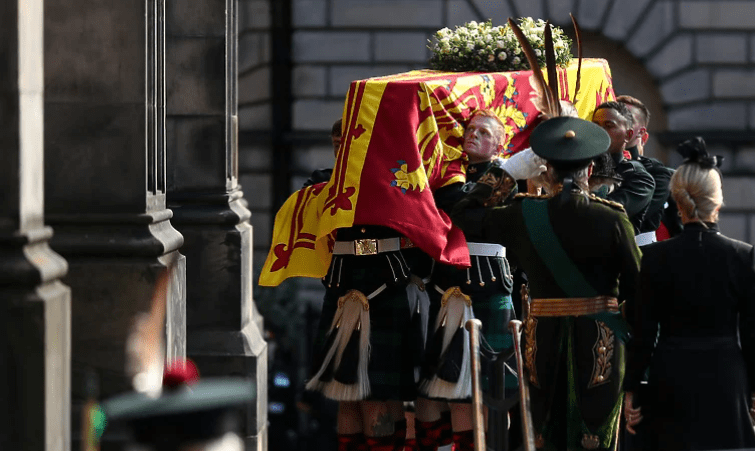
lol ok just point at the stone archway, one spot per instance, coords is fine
(689, 61)
(632, 78)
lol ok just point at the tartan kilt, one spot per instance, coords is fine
(489, 283)
(494, 308)
(392, 350)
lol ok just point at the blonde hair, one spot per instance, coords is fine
(697, 192)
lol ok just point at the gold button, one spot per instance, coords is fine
(602, 350)
(600, 378)
(570, 134)
(364, 230)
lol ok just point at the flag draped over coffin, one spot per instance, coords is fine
(402, 138)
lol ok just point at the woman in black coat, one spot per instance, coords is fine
(699, 287)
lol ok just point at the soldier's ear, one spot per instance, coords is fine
(630, 133)
(644, 135)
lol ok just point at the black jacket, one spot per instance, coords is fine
(699, 287)
(662, 178)
(635, 192)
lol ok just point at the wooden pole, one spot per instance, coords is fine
(474, 326)
(528, 431)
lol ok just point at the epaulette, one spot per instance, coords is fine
(532, 196)
(610, 203)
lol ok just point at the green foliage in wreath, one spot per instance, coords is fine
(481, 47)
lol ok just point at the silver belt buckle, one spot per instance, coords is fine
(365, 247)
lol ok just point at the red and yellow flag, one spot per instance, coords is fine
(402, 140)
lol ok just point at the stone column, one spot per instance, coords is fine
(35, 321)
(223, 327)
(105, 179)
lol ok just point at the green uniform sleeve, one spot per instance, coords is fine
(630, 257)
(635, 290)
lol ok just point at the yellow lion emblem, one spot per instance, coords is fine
(406, 180)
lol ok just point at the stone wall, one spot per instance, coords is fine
(696, 57)
(255, 113)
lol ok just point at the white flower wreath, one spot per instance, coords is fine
(481, 47)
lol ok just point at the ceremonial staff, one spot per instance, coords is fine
(515, 326)
(474, 326)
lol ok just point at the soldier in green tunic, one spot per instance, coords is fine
(580, 256)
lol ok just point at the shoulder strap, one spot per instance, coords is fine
(546, 243)
(564, 271)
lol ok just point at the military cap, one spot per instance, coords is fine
(201, 412)
(569, 141)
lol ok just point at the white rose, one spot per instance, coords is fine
(538, 52)
(516, 60)
(472, 24)
(470, 46)
(500, 44)
(491, 58)
(502, 56)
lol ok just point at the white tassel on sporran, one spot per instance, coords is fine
(352, 317)
(456, 309)
(419, 309)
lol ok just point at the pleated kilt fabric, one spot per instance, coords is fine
(391, 350)
(494, 310)
(491, 302)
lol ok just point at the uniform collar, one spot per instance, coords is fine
(617, 157)
(475, 171)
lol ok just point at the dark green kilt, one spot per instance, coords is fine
(392, 342)
(491, 304)
(494, 311)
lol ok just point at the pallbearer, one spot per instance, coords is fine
(581, 259)
(482, 291)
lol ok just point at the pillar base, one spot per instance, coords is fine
(237, 353)
(35, 344)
